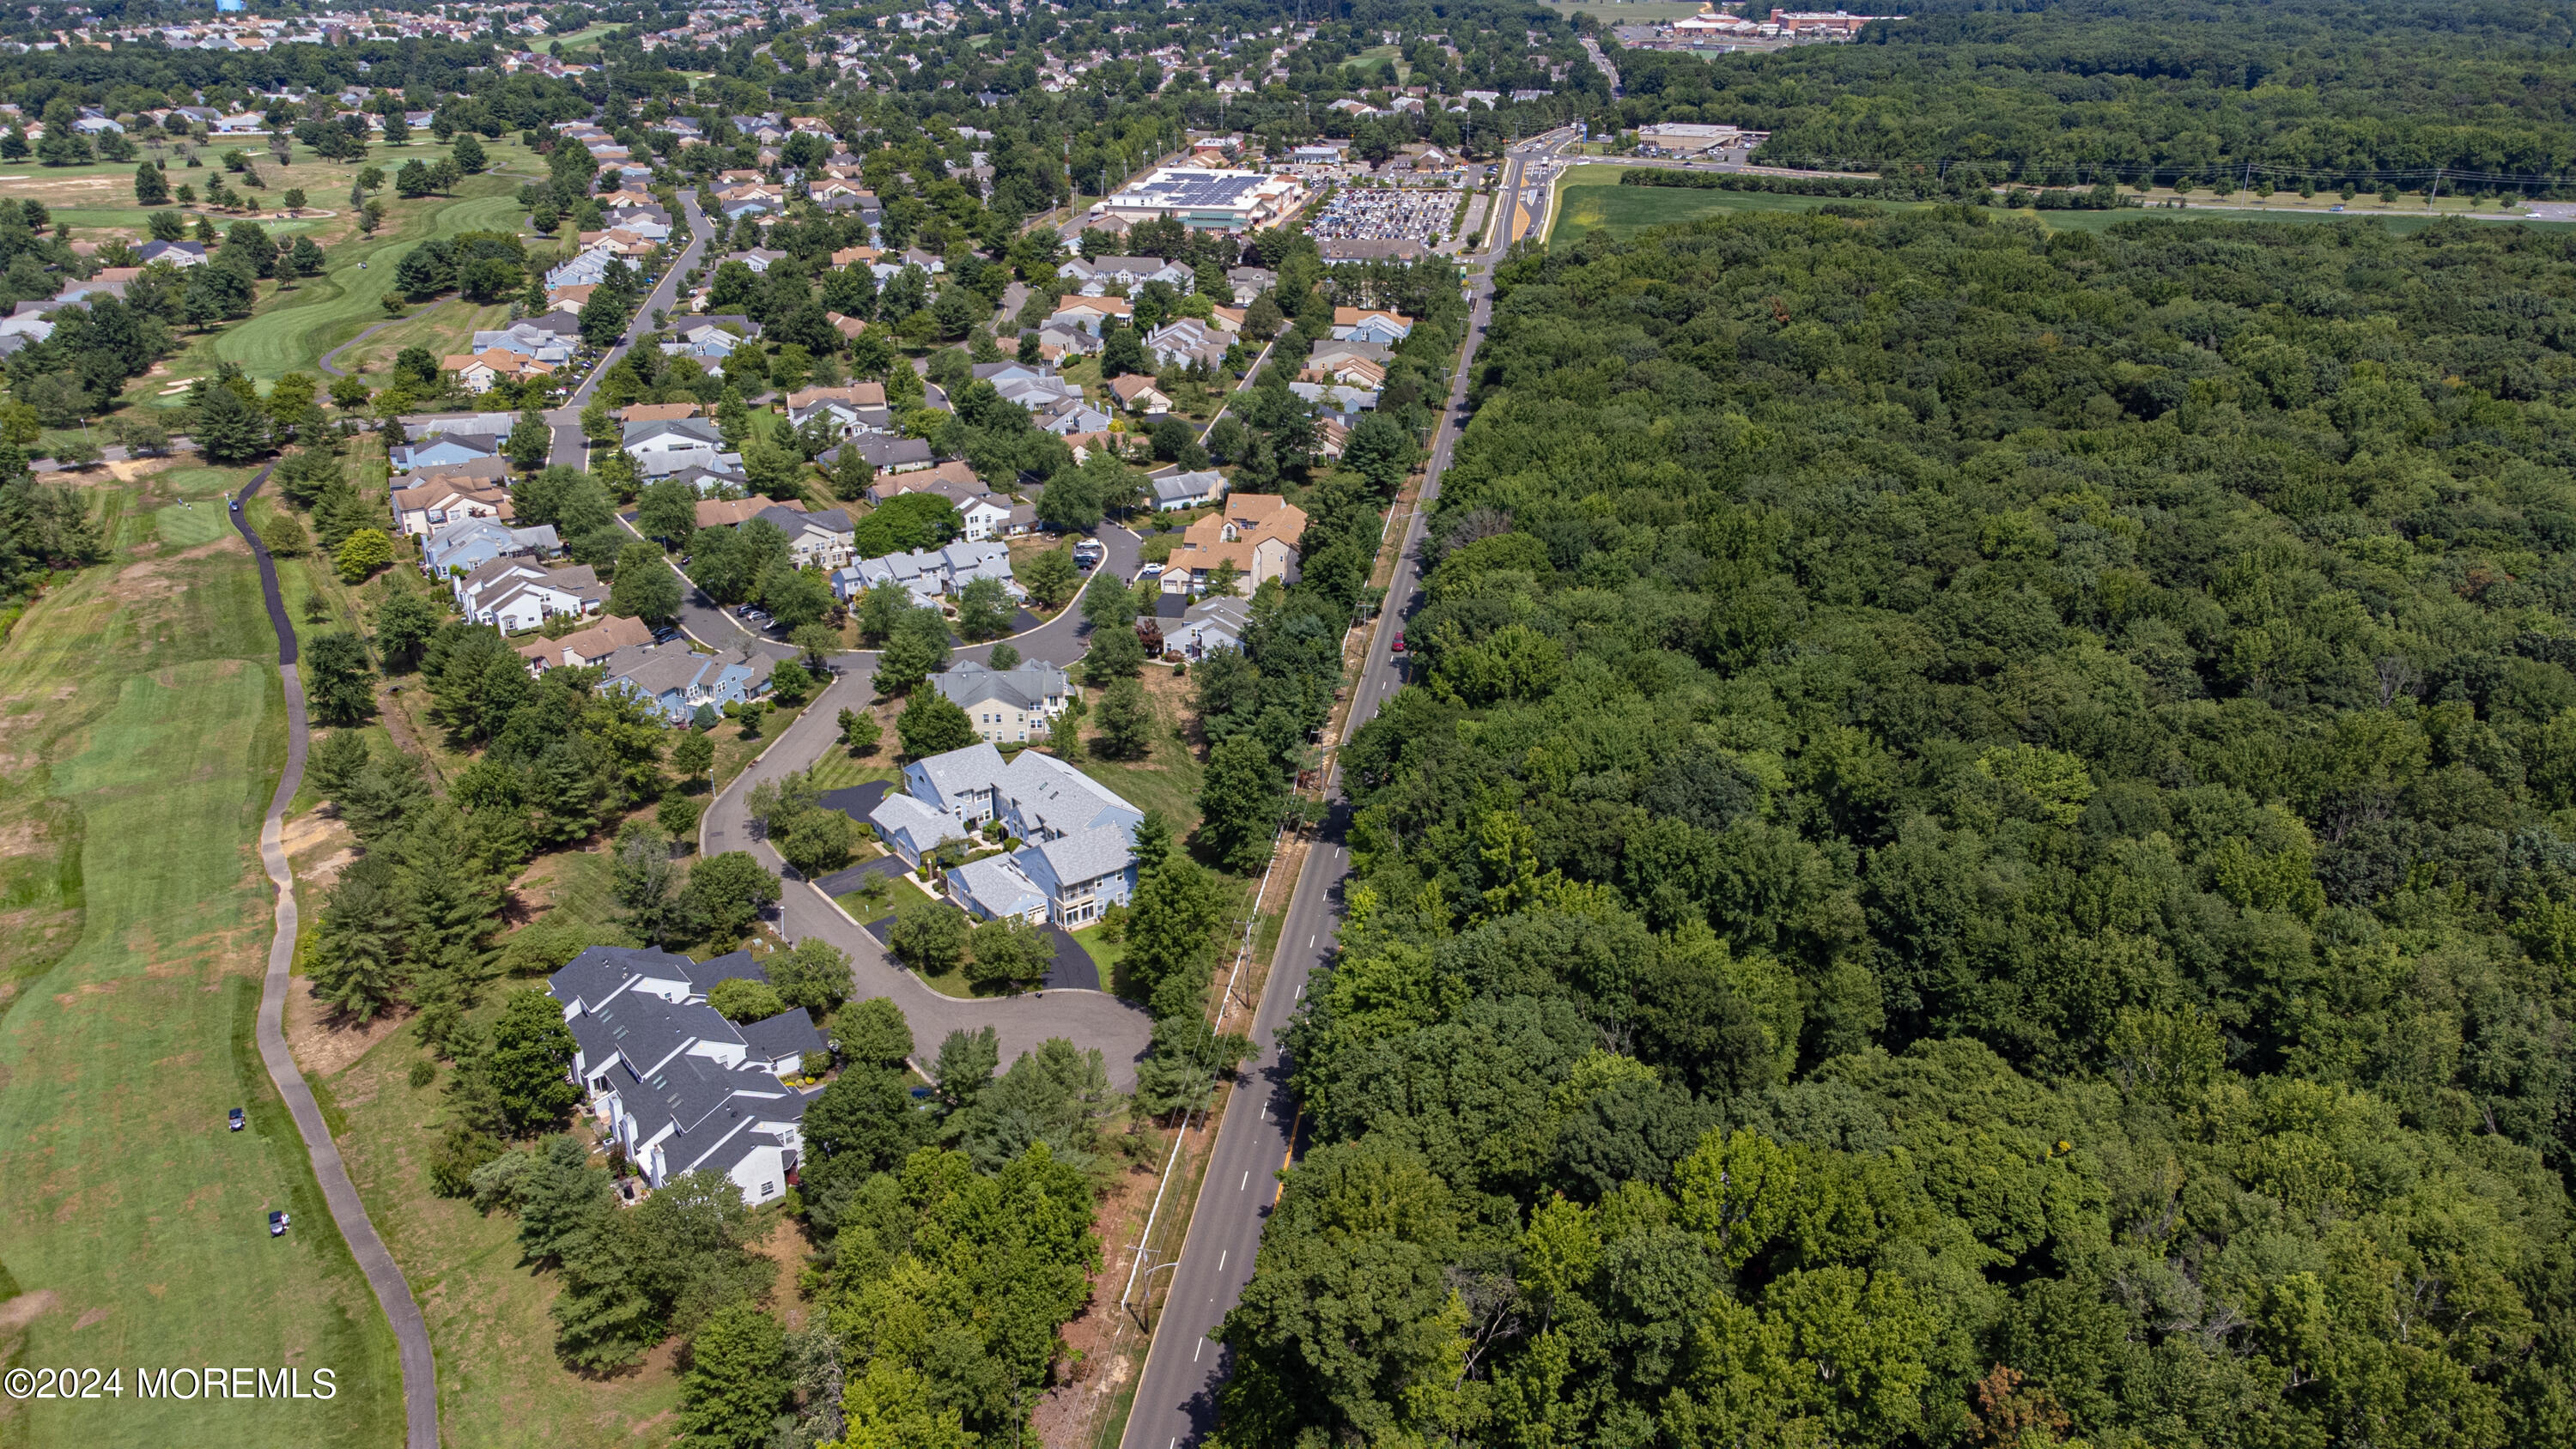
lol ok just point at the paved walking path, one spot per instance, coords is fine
(393, 1291)
(325, 361)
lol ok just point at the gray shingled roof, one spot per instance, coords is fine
(969, 684)
(1085, 854)
(788, 1033)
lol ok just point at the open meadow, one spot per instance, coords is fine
(1590, 199)
(144, 729)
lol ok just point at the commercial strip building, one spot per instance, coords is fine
(1203, 200)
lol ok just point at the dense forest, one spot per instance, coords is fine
(1976, 851)
(2321, 91)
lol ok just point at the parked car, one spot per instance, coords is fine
(277, 1225)
(665, 636)
(1151, 570)
(238, 1121)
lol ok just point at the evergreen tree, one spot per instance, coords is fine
(1125, 727)
(151, 188)
(227, 429)
(735, 1385)
(530, 1062)
(338, 680)
(1239, 803)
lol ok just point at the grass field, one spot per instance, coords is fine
(444, 327)
(143, 733)
(1590, 198)
(500, 1385)
(291, 332)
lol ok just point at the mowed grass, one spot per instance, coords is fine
(292, 331)
(142, 728)
(1590, 199)
(444, 327)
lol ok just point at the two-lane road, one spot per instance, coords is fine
(1176, 1399)
(569, 448)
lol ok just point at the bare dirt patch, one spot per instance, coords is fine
(26, 1308)
(324, 1041)
(319, 846)
(1100, 1340)
(229, 543)
(789, 1247)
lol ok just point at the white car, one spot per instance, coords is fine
(1148, 571)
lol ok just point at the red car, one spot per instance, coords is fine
(1398, 646)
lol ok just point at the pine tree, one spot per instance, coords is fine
(151, 188)
(1126, 723)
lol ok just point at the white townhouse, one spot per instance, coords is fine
(681, 1088)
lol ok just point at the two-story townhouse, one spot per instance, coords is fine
(679, 1087)
(423, 508)
(1008, 706)
(678, 682)
(668, 445)
(514, 595)
(820, 539)
(456, 550)
(1371, 324)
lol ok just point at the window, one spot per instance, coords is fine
(769, 1189)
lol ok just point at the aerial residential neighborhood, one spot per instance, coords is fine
(1089, 723)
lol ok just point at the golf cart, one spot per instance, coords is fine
(237, 1120)
(277, 1225)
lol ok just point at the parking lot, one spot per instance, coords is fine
(1421, 216)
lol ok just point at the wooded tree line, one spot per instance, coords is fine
(2066, 94)
(1976, 853)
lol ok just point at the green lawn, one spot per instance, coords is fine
(292, 331)
(734, 754)
(500, 1385)
(1167, 779)
(837, 771)
(1591, 199)
(144, 731)
(1103, 953)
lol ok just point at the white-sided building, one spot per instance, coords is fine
(680, 1087)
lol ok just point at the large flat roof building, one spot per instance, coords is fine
(1205, 200)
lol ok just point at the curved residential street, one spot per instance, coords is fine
(348, 1210)
(1086, 1018)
